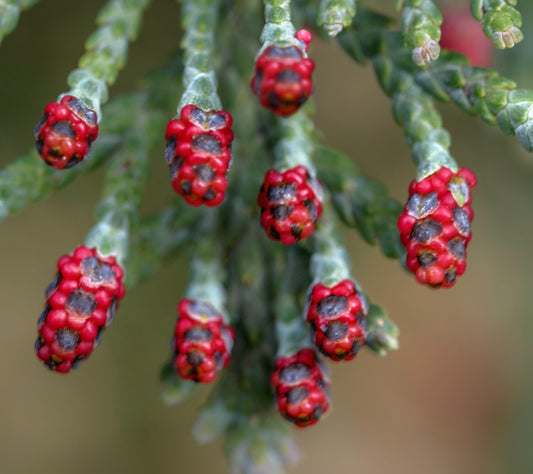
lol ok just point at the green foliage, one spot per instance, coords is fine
(360, 202)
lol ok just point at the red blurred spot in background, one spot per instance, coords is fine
(462, 33)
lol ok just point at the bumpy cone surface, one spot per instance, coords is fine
(338, 319)
(80, 303)
(290, 204)
(282, 79)
(435, 226)
(64, 134)
(301, 385)
(198, 154)
(202, 341)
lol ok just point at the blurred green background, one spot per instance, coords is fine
(456, 398)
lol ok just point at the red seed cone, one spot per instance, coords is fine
(65, 133)
(301, 385)
(435, 226)
(80, 303)
(290, 204)
(338, 319)
(282, 79)
(198, 154)
(202, 341)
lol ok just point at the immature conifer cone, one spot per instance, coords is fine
(65, 133)
(282, 79)
(435, 226)
(198, 154)
(290, 204)
(80, 303)
(202, 341)
(338, 319)
(301, 385)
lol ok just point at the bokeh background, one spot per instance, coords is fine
(456, 398)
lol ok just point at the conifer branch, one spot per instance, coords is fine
(334, 15)
(291, 331)
(278, 29)
(413, 108)
(482, 92)
(125, 180)
(295, 144)
(199, 79)
(106, 53)
(25, 180)
(360, 202)
(500, 21)
(421, 20)
(206, 282)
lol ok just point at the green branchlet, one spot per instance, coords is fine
(25, 180)
(421, 20)
(278, 29)
(478, 91)
(334, 15)
(125, 179)
(295, 144)
(413, 109)
(106, 52)
(360, 202)
(207, 276)
(9, 14)
(291, 331)
(159, 238)
(482, 92)
(199, 80)
(500, 21)
(330, 262)
(382, 336)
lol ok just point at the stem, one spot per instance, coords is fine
(334, 15)
(295, 146)
(106, 52)
(278, 29)
(360, 202)
(199, 79)
(207, 275)
(125, 180)
(421, 20)
(482, 92)
(330, 262)
(159, 238)
(25, 180)
(291, 330)
(413, 109)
